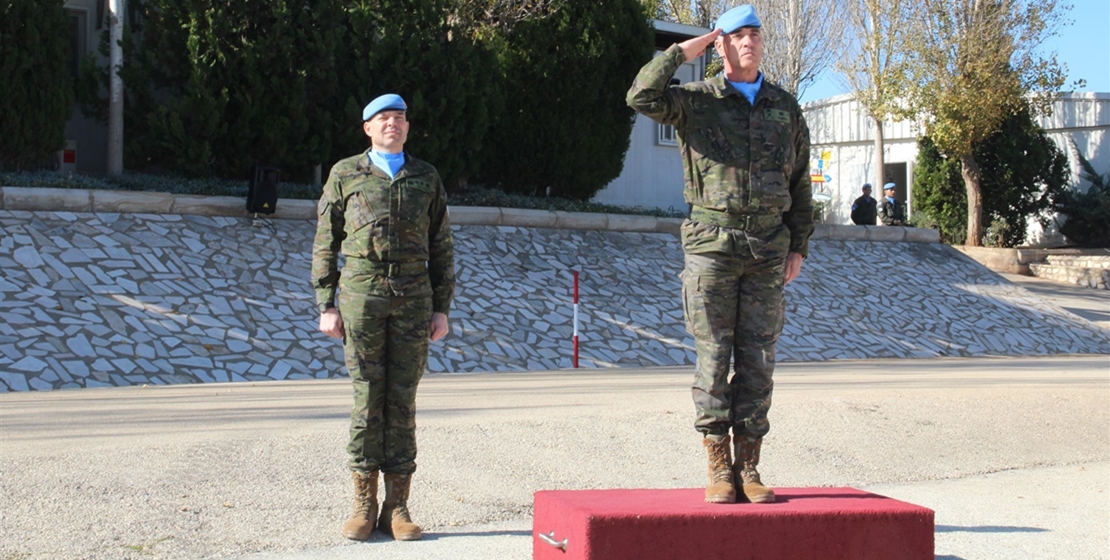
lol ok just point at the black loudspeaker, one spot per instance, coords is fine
(262, 195)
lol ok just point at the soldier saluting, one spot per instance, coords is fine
(745, 155)
(386, 212)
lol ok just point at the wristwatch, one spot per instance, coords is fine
(325, 306)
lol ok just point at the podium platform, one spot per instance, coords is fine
(677, 524)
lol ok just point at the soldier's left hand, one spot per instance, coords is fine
(438, 329)
(793, 266)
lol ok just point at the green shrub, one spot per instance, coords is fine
(448, 80)
(1087, 214)
(1022, 172)
(566, 126)
(36, 89)
(221, 84)
(132, 181)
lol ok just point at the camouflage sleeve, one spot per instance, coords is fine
(799, 219)
(651, 93)
(441, 252)
(329, 236)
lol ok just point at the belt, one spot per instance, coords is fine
(744, 222)
(387, 269)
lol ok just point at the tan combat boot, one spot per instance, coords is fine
(747, 458)
(395, 518)
(720, 489)
(361, 523)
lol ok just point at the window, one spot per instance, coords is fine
(667, 136)
(77, 42)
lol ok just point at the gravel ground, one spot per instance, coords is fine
(258, 470)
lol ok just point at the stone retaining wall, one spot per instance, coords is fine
(102, 299)
(1080, 261)
(1087, 277)
(1017, 260)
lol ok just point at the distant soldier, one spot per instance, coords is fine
(745, 153)
(386, 212)
(891, 211)
(865, 208)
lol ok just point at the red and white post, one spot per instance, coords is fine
(574, 359)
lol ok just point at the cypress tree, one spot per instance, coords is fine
(566, 126)
(238, 82)
(448, 80)
(36, 90)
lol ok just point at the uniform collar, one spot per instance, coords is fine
(411, 167)
(721, 88)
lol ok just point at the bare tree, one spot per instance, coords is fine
(873, 63)
(501, 15)
(801, 39)
(976, 64)
(701, 13)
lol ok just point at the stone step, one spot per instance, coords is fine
(1079, 261)
(1087, 277)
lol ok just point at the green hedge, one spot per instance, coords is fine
(131, 181)
(36, 95)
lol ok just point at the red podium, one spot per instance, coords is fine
(805, 523)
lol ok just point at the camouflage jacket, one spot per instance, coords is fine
(892, 213)
(373, 219)
(736, 158)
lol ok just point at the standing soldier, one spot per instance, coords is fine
(864, 208)
(745, 155)
(891, 211)
(387, 213)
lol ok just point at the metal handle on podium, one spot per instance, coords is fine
(550, 539)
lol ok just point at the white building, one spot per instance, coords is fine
(652, 175)
(840, 131)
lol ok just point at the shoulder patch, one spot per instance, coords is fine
(777, 115)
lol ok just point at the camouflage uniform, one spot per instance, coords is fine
(399, 269)
(747, 180)
(892, 213)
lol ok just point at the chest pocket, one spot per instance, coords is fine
(415, 196)
(776, 147)
(359, 212)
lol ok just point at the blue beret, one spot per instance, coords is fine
(387, 102)
(888, 186)
(740, 16)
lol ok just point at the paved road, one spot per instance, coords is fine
(1014, 455)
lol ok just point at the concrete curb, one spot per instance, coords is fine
(1017, 261)
(84, 200)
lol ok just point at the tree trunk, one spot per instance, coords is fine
(115, 89)
(970, 170)
(880, 160)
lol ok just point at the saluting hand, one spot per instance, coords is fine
(693, 48)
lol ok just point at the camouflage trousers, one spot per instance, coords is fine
(386, 350)
(734, 309)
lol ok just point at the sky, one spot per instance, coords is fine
(1084, 46)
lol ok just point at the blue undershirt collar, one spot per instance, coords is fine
(390, 163)
(748, 90)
